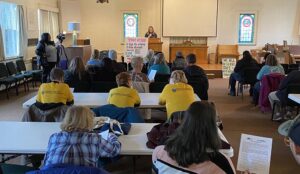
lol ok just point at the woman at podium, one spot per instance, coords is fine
(151, 33)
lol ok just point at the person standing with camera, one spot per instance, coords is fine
(47, 55)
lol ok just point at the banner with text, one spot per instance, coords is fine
(135, 46)
(228, 65)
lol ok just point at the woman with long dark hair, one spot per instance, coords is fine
(194, 147)
(76, 72)
(47, 55)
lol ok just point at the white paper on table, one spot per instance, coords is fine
(104, 134)
(255, 154)
(151, 75)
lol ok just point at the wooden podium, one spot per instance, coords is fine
(82, 51)
(155, 44)
(199, 50)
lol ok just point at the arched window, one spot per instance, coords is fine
(247, 28)
(131, 24)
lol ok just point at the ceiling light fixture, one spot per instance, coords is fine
(102, 1)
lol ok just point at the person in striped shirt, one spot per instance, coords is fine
(76, 144)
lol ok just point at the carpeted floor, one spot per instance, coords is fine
(238, 116)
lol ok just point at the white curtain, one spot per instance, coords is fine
(44, 25)
(1, 46)
(54, 26)
(48, 23)
(23, 42)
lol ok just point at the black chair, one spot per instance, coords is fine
(292, 67)
(20, 78)
(21, 68)
(291, 89)
(35, 74)
(199, 89)
(249, 78)
(157, 87)
(169, 65)
(103, 87)
(82, 87)
(145, 68)
(7, 80)
(100, 75)
(162, 78)
(34, 64)
(285, 67)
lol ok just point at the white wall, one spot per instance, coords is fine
(102, 23)
(278, 20)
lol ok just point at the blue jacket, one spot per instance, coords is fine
(68, 169)
(123, 115)
(160, 68)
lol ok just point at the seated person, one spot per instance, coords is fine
(178, 95)
(160, 64)
(76, 72)
(194, 72)
(179, 62)
(124, 95)
(95, 59)
(295, 142)
(265, 58)
(281, 94)
(76, 144)
(271, 66)
(136, 72)
(246, 62)
(186, 149)
(117, 68)
(291, 130)
(149, 58)
(55, 93)
(105, 73)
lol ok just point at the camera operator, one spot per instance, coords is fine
(47, 55)
(61, 52)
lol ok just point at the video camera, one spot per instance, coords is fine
(61, 37)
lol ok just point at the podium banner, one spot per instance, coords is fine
(135, 47)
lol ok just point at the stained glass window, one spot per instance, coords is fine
(246, 28)
(131, 24)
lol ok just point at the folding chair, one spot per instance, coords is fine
(7, 80)
(162, 78)
(103, 86)
(249, 78)
(291, 89)
(14, 73)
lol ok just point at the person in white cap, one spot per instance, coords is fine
(291, 130)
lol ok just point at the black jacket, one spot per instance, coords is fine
(292, 78)
(72, 79)
(245, 63)
(198, 80)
